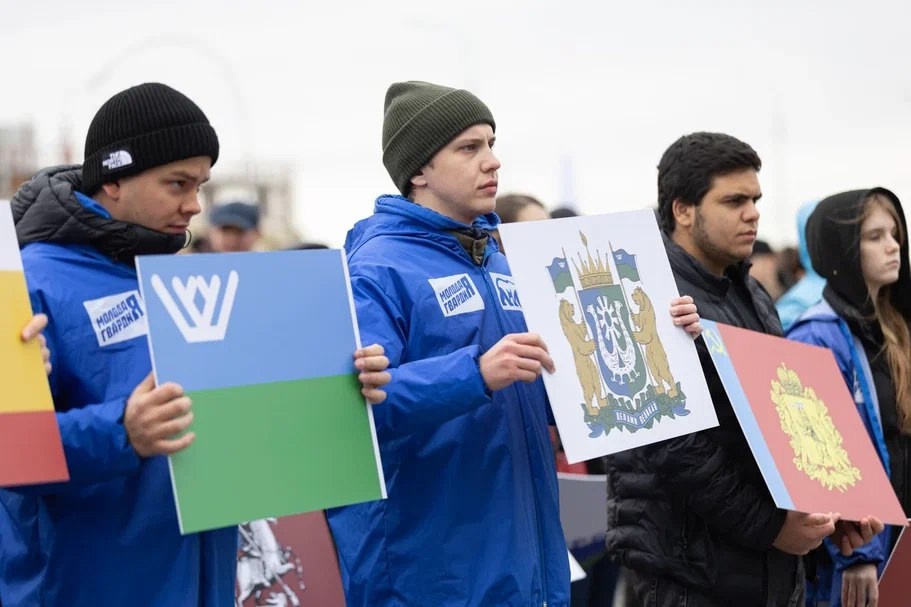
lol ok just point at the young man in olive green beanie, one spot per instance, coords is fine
(472, 515)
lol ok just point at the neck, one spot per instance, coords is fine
(873, 290)
(104, 200)
(686, 243)
(427, 200)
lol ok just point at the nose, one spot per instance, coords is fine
(892, 243)
(751, 212)
(491, 163)
(191, 205)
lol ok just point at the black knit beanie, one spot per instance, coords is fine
(420, 118)
(141, 128)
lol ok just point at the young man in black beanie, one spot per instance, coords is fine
(110, 534)
(472, 516)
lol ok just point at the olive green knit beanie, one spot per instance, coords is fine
(421, 118)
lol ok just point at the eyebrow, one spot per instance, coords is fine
(187, 176)
(742, 196)
(470, 139)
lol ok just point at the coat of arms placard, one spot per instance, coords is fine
(598, 290)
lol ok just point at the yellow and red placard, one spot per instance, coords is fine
(802, 425)
(30, 447)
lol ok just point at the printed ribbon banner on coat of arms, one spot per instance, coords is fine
(598, 290)
(30, 447)
(802, 425)
(263, 344)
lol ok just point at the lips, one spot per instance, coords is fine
(490, 185)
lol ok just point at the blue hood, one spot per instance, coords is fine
(398, 215)
(803, 214)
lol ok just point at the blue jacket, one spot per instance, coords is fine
(808, 289)
(472, 516)
(821, 326)
(110, 534)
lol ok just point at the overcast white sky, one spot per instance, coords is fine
(821, 88)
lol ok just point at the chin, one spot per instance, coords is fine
(742, 253)
(486, 206)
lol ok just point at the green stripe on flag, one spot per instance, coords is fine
(627, 271)
(273, 450)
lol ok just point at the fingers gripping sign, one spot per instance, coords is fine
(685, 315)
(803, 532)
(155, 416)
(33, 331)
(516, 357)
(371, 364)
(850, 535)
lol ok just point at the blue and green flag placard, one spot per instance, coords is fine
(263, 343)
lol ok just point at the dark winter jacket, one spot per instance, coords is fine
(695, 509)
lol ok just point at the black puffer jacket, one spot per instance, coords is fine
(46, 210)
(695, 509)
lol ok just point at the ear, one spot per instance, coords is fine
(112, 190)
(683, 213)
(419, 180)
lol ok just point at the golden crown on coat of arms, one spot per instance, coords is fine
(790, 382)
(595, 272)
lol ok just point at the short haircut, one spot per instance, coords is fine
(688, 167)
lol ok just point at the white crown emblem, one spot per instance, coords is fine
(200, 327)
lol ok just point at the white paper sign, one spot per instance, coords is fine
(576, 572)
(9, 246)
(598, 290)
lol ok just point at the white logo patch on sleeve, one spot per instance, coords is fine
(506, 292)
(456, 294)
(117, 318)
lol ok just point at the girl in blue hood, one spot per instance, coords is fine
(858, 242)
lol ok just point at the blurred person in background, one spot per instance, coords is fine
(790, 270)
(199, 244)
(561, 212)
(764, 268)
(808, 290)
(511, 208)
(234, 227)
(307, 246)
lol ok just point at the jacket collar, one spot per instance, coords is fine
(694, 271)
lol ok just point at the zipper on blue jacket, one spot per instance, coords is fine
(874, 420)
(485, 276)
